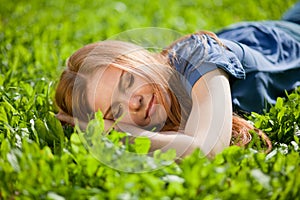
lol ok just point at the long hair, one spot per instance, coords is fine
(240, 126)
(71, 93)
(72, 90)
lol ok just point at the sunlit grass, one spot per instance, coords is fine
(41, 160)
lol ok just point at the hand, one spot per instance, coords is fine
(67, 119)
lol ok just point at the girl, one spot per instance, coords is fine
(184, 96)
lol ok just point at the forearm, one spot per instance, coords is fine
(183, 144)
(210, 120)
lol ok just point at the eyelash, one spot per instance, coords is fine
(129, 81)
(117, 112)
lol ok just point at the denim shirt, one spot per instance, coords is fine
(262, 59)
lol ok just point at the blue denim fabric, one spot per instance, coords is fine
(263, 59)
(193, 58)
(293, 15)
(270, 55)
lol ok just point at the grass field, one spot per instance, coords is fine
(39, 159)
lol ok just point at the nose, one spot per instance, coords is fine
(135, 102)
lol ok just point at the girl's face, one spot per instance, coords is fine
(125, 96)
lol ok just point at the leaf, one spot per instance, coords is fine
(173, 178)
(279, 103)
(54, 196)
(5, 147)
(54, 127)
(13, 160)
(91, 166)
(3, 114)
(75, 143)
(142, 145)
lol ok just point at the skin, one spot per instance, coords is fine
(211, 96)
(208, 126)
(127, 98)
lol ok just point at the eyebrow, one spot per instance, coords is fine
(119, 87)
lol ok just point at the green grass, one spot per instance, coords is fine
(41, 160)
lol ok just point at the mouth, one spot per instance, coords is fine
(150, 108)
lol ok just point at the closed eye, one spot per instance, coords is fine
(117, 110)
(126, 82)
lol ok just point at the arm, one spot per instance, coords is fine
(210, 121)
(209, 124)
(164, 141)
(67, 119)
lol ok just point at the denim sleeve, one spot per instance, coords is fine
(197, 55)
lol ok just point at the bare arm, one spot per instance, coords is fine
(210, 121)
(209, 124)
(67, 119)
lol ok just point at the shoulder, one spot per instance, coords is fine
(200, 48)
(211, 80)
(196, 54)
(199, 41)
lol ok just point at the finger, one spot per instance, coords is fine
(65, 118)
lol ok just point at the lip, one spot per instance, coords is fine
(150, 108)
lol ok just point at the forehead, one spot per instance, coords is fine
(101, 87)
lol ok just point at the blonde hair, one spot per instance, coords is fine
(71, 92)
(72, 88)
